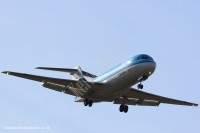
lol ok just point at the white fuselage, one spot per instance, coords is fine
(121, 82)
(119, 79)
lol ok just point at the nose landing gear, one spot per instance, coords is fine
(143, 78)
(140, 86)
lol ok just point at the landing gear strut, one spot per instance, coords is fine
(88, 101)
(140, 86)
(123, 107)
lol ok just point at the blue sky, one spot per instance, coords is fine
(69, 33)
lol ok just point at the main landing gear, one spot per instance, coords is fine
(123, 108)
(88, 102)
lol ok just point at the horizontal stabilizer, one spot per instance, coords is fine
(71, 71)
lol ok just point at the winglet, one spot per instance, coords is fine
(38, 67)
(6, 72)
(194, 105)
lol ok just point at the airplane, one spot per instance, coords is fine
(115, 85)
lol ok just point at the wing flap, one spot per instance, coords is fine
(149, 103)
(62, 88)
(70, 84)
(121, 101)
(151, 98)
(136, 102)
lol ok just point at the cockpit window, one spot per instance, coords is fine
(138, 58)
(144, 57)
(150, 58)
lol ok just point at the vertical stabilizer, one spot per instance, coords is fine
(77, 74)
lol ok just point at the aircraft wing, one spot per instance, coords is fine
(59, 84)
(137, 97)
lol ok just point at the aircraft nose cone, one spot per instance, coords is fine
(152, 68)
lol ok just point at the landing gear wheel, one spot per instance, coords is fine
(86, 102)
(140, 86)
(121, 108)
(125, 109)
(90, 102)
